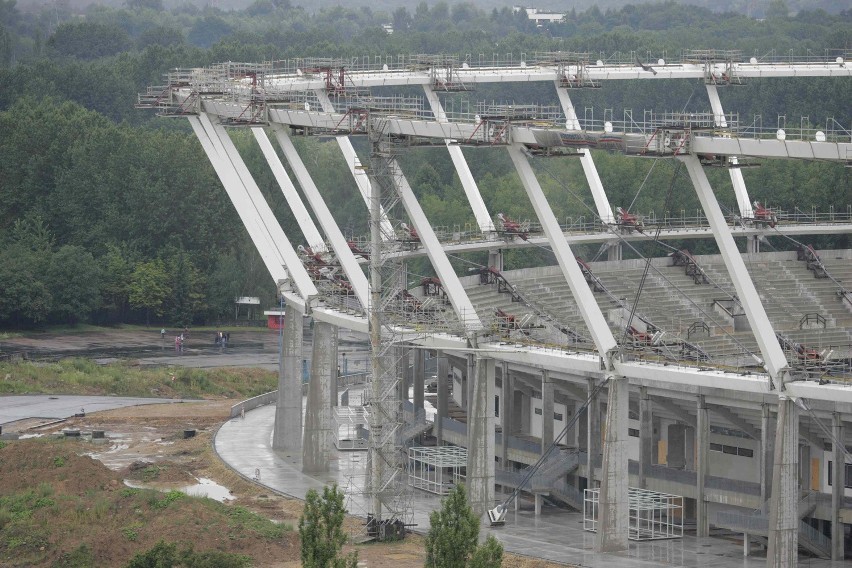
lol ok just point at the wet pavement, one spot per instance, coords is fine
(21, 407)
(557, 535)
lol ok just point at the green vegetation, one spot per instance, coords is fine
(321, 530)
(166, 554)
(453, 535)
(83, 376)
(111, 215)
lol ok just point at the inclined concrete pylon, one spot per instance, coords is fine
(613, 498)
(287, 432)
(481, 437)
(318, 424)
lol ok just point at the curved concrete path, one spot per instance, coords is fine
(20, 407)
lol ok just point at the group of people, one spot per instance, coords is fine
(222, 338)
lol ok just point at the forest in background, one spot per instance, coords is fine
(109, 214)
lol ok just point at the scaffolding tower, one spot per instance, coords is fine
(387, 494)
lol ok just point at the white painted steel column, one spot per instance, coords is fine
(783, 549)
(245, 209)
(358, 172)
(443, 369)
(449, 279)
(480, 432)
(588, 306)
(335, 236)
(743, 201)
(300, 212)
(613, 512)
(592, 177)
(773, 356)
(226, 147)
(287, 432)
(480, 211)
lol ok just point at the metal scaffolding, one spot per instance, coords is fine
(349, 427)
(652, 515)
(436, 469)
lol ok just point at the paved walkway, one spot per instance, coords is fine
(557, 535)
(20, 407)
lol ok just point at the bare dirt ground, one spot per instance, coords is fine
(146, 444)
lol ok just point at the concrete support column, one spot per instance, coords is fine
(646, 436)
(524, 419)
(443, 368)
(805, 466)
(495, 259)
(767, 450)
(507, 403)
(470, 379)
(546, 411)
(406, 371)
(837, 489)
(539, 499)
(419, 378)
(613, 509)
(480, 442)
(593, 432)
(287, 432)
(677, 446)
(783, 550)
(702, 442)
(318, 424)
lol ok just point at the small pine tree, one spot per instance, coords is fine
(321, 531)
(453, 534)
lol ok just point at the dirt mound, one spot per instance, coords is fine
(55, 503)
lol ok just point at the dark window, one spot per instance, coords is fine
(715, 447)
(496, 406)
(729, 450)
(633, 432)
(557, 416)
(538, 411)
(745, 452)
(847, 474)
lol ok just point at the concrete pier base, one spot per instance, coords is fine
(613, 511)
(480, 432)
(287, 432)
(318, 424)
(783, 550)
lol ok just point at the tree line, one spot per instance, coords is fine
(109, 214)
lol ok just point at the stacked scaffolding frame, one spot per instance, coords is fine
(349, 427)
(653, 515)
(436, 469)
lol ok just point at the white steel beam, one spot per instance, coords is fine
(592, 177)
(480, 211)
(248, 214)
(338, 242)
(358, 172)
(770, 350)
(588, 306)
(223, 144)
(533, 73)
(449, 279)
(743, 201)
(300, 212)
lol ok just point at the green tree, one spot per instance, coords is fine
(321, 531)
(149, 288)
(453, 534)
(88, 40)
(74, 278)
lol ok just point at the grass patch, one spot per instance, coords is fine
(77, 375)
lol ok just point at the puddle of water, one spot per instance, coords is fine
(204, 488)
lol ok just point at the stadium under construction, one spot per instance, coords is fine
(658, 395)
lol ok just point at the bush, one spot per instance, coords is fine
(453, 534)
(166, 555)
